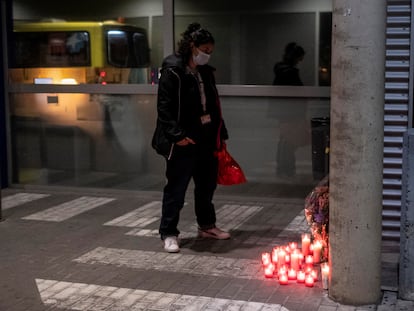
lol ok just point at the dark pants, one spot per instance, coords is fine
(186, 163)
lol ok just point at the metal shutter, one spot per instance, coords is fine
(397, 72)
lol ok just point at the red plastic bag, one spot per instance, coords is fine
(229, 171)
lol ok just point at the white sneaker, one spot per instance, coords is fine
(171, 244)
(214, 233)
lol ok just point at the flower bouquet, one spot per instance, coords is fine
(317, 213)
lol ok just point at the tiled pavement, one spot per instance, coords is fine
(72, 249)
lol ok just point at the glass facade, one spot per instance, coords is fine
(95, 140)
(248, 46)
(251, 37)
(104, 140)
(100, 136)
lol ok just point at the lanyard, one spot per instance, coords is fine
(200, 83)
(202, 92)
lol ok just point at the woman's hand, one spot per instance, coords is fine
(186, 141)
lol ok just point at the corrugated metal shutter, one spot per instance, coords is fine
(396, 112)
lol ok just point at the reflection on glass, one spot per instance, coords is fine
(325, 33)
(46, 49)
(104, 141)
(85, 52)
(251, 37)
(252, 40)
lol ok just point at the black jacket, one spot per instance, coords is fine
(286, 74)
(179, 108)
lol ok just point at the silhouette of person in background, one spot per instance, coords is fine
(286, 73)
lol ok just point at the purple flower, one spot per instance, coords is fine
(319, 218)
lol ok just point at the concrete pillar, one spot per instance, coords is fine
(406, 273)
(357, 113)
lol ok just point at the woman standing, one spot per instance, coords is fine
(189, 130)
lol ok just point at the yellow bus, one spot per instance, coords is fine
(60, 52)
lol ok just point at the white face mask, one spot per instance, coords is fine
(201, 58)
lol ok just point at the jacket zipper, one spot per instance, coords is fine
(179, 109)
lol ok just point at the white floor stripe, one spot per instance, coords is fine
(162, 261)
(229, 217)
(232, 216)
(154, 233)
(20, 198)
(81, 296)
(293, 230)
(298, 224)
(69, 209)
(139, 217)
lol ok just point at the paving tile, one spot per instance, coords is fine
(328, 308)
(87, 250)
(404, 305)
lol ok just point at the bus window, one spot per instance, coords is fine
(141, 49)
(127, 49)
(51, 49)
(118, 48)
(84, 52)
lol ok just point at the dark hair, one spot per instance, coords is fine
(196, 35)
(293, 53)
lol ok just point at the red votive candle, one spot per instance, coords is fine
(266, 259)
(269, 270)
(309, 261)
(292, 274)
(293, 245)
(309, 281)
(283, 279)
(305, 243)
(314, 274)
(275, 254)
(300, 278)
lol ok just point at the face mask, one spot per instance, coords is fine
(201, 58)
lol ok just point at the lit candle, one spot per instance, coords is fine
(294, 260)
(282, 270)
(281, 259)
(269, 270)
(283, 279)
(309, 261)
(317, 251)
(275, 254)
(300, 259)
(292, 274)
(314, 274)
(325, 274)
(309, 281)
(293, 245)
(300, 277)
(266, 259)
(308, 270)
(305, 243)
(287, 259)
